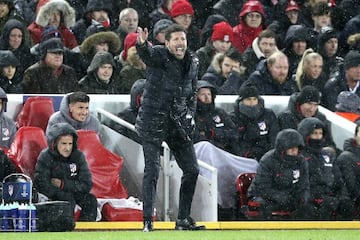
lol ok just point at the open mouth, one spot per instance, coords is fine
(179, 50)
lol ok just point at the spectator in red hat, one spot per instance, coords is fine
(292, 11)
(219, 42)
(133, 67)
(182, 13)
(251, 24)
(290, 16)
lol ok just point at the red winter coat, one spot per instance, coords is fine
(244, 36)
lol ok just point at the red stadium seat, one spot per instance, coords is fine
(35, 112)
(248, 207)
(26, 147)
(105, 167)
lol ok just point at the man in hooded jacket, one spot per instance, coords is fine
(8, 127)
(62, 173)
(327, 189)
(74, 109)
(282, 178)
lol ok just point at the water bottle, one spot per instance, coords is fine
(32, 217)
(5, 220)
(22, 221)
(14, 214)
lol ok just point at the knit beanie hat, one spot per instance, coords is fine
(222, 31)
(348, 102)
(181, 7)
(352, 59)
(99, 59)
(161, 25)
(247, 91)
(309, 94)
(130, 41)
(50, 32)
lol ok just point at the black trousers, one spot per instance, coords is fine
(87, 202)
(186, 159)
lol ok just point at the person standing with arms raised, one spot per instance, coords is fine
(167, 114)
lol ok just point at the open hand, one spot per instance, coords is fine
(142, 35)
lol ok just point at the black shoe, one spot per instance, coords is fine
(148, 226)
(188, 224)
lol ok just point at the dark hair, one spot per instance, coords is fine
(173, 28)
(320, 9)
(234, 55)
(267, 33)
(357, 128)
(78, 97)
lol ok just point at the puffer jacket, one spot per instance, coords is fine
(257, 133)
(266, 85)
(291, 118)
(213, 124)
(169, 93)
(73, 170)
(280, 180)
(324, 176)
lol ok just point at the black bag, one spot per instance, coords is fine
(55, 216)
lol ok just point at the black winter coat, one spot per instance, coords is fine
(280, 181)
(205, 55)
(40, 78)
(7, 167)
(224, 86)
(349, 164)
(73, 171)
(91, 85)
(169, 93)
(216, 126)
(291, 118)
(266, 85)
(324, 175)
(256, 134)
(332, 89)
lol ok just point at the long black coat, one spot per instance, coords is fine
(73, 171)
(169, 92)
(279, 180)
